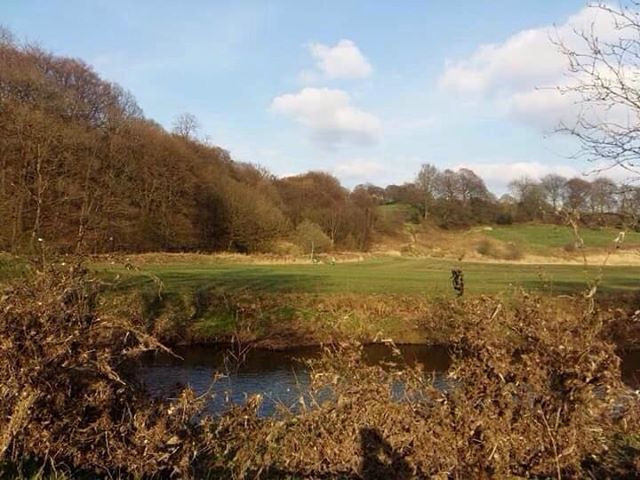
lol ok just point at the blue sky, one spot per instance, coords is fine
(366, 90)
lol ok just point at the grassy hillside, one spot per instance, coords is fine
(543, 239)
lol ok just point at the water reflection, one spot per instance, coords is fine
(279, 376)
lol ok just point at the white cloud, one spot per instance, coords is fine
(360, 169)
(507, 171)
(525, 59)
(498, 174)
(524, 69)
(343, 60)
(329, 115)
(545, 108)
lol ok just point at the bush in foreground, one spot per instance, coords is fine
(68, 399)
(530, 394)
(533, 391)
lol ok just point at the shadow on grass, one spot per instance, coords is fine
(573, 287)
(252, 280)
(257, 280)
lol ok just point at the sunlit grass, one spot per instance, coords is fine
(385, 275)
(539, 238)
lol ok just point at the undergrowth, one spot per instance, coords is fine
(529, 394)
(534, 391)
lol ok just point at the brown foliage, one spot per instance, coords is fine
(81, 168)
(534, 390)
(67, 395)
(530, 393)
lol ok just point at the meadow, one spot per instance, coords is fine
(407, 276)
(281, 302)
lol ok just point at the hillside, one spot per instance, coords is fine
(83, 170)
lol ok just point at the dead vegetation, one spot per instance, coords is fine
(493, 249)
(534, 391)
(529, 395)
(68, 397)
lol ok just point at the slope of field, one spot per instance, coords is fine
(544, 239)
(532, 243)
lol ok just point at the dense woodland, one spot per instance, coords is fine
(82, 169)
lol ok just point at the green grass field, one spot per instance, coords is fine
(409, 276)
(385, 275)
(538, 238)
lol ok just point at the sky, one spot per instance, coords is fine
(365, 90)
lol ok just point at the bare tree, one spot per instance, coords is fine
(530, 198)
(426, 181)
(471, 186)
(186, 125)
(602, 195)
(521, 186)
(576, 193)
(448, 185)
(6, 36)
(604, 80)
(553, 185)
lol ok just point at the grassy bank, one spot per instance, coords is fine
(544, 239)
(285, 305)
(189, 299)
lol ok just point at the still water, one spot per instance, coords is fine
(281, 376)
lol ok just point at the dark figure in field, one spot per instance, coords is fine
(457, 281)
(379, 459)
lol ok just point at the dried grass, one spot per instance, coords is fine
(531, 394)
(68, 397)
(534, 391)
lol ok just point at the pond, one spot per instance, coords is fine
(281, 376)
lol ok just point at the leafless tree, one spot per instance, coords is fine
(6, 36)
(553, 185)
(530, 198)
(602, 195)
(471, 186)
(576, 193)
(426, 181)
(186, 125)
(604, 79)
(448, 185)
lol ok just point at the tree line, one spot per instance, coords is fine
(460, 198)
(83, 170)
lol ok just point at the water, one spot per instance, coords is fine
(281, 376)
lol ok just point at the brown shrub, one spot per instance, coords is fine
(530, 393)
(67, 392)
(534, 391)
